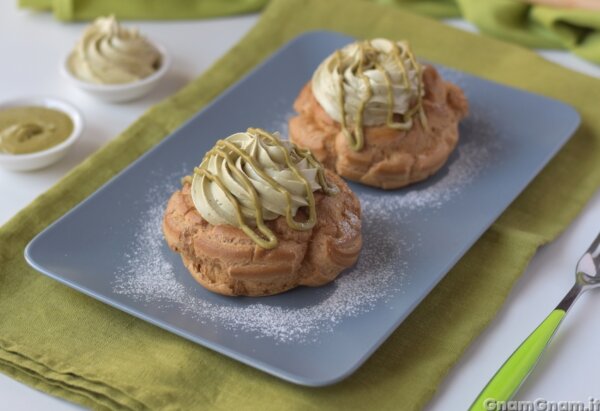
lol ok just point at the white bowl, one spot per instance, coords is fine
(120, 92)
(40, 159)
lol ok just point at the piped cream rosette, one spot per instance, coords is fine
(252, 177)
(108, 53)
(370, 83)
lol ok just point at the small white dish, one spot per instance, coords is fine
(44, 158)
(118, 93)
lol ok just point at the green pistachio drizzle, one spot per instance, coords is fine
(367, 60)
(265, 238)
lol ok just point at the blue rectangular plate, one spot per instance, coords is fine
(110, 246)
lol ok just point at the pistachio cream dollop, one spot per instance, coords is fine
(30, 129)
(252, 177)
(370, 83)
(108, 53)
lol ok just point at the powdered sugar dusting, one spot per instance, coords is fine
(150, 277)
(281, 123)
(471, 157)
(154, 275)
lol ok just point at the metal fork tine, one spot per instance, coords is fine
(594, 251)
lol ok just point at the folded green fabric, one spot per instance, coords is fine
(72, 346)
(537, 26)
(511, 20)
(67, 10)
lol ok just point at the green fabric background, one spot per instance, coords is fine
(72, 346)
(511, 20)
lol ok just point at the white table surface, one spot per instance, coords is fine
(35, 44)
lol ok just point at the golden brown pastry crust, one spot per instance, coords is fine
(390, 158)
(224, 260)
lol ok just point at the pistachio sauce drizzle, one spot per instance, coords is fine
(356, 137)
(265, 238)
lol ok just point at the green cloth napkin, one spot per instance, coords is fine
(72, 346)
(143, 9)
(511, 20)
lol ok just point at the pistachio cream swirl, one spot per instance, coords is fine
(252, 177)
(370, 83)
(108, 53)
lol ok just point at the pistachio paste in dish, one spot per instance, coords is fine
(30, 129)
(108, 53)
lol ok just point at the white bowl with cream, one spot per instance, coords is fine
(43, 158)
(118, 93)
(114, 63)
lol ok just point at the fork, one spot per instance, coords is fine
(507, 380)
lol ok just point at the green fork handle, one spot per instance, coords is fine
(517, 367)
